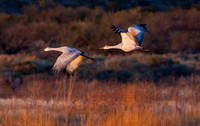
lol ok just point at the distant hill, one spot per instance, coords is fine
(15, 6)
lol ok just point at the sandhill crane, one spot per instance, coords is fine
(131, 39)
(70, 58)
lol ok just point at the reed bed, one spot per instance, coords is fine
(71, 101)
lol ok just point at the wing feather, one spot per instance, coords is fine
(128, 39)
(138, 32)
(139, 37)
(75, 63)
(118, 30)
(64, 59)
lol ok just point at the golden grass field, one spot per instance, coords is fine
(70, 101)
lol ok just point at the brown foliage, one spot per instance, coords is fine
(88, 29)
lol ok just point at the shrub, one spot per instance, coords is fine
(88, 29)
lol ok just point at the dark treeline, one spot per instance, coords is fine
(15, 6)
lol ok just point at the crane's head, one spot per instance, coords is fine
(46, 49)
(105, 47)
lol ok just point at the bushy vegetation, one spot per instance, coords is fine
(140, 67)
(127, 68)
(15, 6)
(88, 29)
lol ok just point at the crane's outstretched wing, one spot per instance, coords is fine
(141, 27)
(138, 32)
(83, 54)
(75, 63)
(128, 39)
(64, 59)
(139, 37)
(118, 30)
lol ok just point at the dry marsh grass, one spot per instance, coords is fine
(71, 101)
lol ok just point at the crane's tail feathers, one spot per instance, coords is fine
(146, 50)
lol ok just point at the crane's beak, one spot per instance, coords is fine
(103, 47)
(45, 49)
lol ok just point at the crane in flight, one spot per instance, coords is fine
(70, 58)
(131, 39)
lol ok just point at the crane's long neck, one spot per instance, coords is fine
(112, 47)
(60, 49)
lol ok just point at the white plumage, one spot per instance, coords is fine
(70, 58)
(131, 39)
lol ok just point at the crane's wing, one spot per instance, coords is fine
(75, 63)
(65, 58)
(138, 32)
(128, 39)
(118, 30)
(83, 54)
(139, 37)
